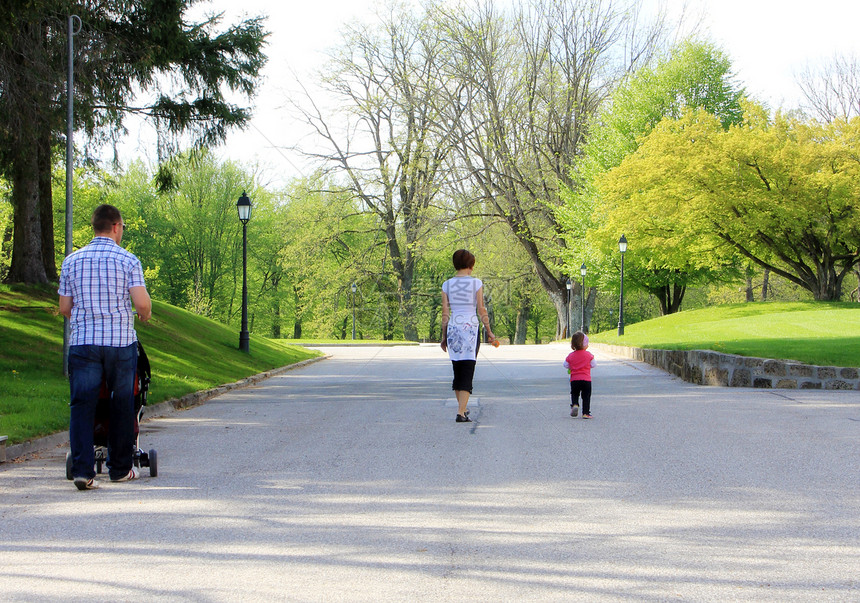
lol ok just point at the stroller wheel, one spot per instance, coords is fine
(153, 463)
(69, 466)
(98, 466)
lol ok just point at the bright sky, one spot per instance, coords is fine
(769, 42)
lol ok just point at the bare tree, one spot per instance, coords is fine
(832, 91)
(384, 81)
(530, 80)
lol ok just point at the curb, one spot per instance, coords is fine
(158, 410)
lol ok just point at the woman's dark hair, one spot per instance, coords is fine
(104, 217)
(463, 259)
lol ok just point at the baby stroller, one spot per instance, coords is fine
(101, 427)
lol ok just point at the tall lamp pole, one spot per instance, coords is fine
(244, 207)
(622, 246)
(74, 28)
(353, 288)
(569, 286)
(582, 271)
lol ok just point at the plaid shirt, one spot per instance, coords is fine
(97, 278)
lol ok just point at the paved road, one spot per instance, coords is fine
(348, 480)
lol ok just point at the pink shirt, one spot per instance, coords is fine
(580, 363)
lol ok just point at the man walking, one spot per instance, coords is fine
(98, 285)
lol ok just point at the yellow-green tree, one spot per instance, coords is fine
(778, 190)
(692, 75)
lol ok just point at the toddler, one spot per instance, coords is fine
(579, 363)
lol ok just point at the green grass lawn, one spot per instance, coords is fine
(823, 333)
(187, 353)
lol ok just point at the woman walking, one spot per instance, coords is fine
(463, 312)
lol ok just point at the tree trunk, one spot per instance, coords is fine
(5, 247)
(830, 281)
(522, 328)
(855, 293)
(28, 263)
(389, 327)
(26, 94)
(576, 309)
(750, 296)
(276, 318)
(536, 318)
(46, 206)
(857, 290)
(764, 284)
(558, 297)
(297, 312)
(435, 309)
(670, 295)
(404, 268)
(509, 324)
(407, 308)
(590, 301)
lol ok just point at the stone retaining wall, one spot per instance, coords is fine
(705, 367)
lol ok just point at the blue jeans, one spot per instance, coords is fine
(88, 366)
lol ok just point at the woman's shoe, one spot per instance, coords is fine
(463, 419)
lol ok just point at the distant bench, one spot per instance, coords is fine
(3, 448)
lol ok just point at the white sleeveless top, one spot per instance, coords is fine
(462, 292)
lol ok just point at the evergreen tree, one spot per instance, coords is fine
(142, 57)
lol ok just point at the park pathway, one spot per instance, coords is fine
(348, 480)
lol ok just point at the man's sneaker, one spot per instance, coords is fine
(133, 474)
(86, 483)
(574, 410)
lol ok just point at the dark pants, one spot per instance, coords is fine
(88, 365)
(581, 388)
(464, 371)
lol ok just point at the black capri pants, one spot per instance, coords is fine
(464, 371)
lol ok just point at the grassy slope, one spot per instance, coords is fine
(187, 353)
(815, 333)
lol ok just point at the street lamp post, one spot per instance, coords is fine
(582, 271)
(569, 286)
(353, 288)
(74, 29)
(243, 205)
(622, 246)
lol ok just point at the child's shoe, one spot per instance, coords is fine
(574, 410)
(585, 416)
